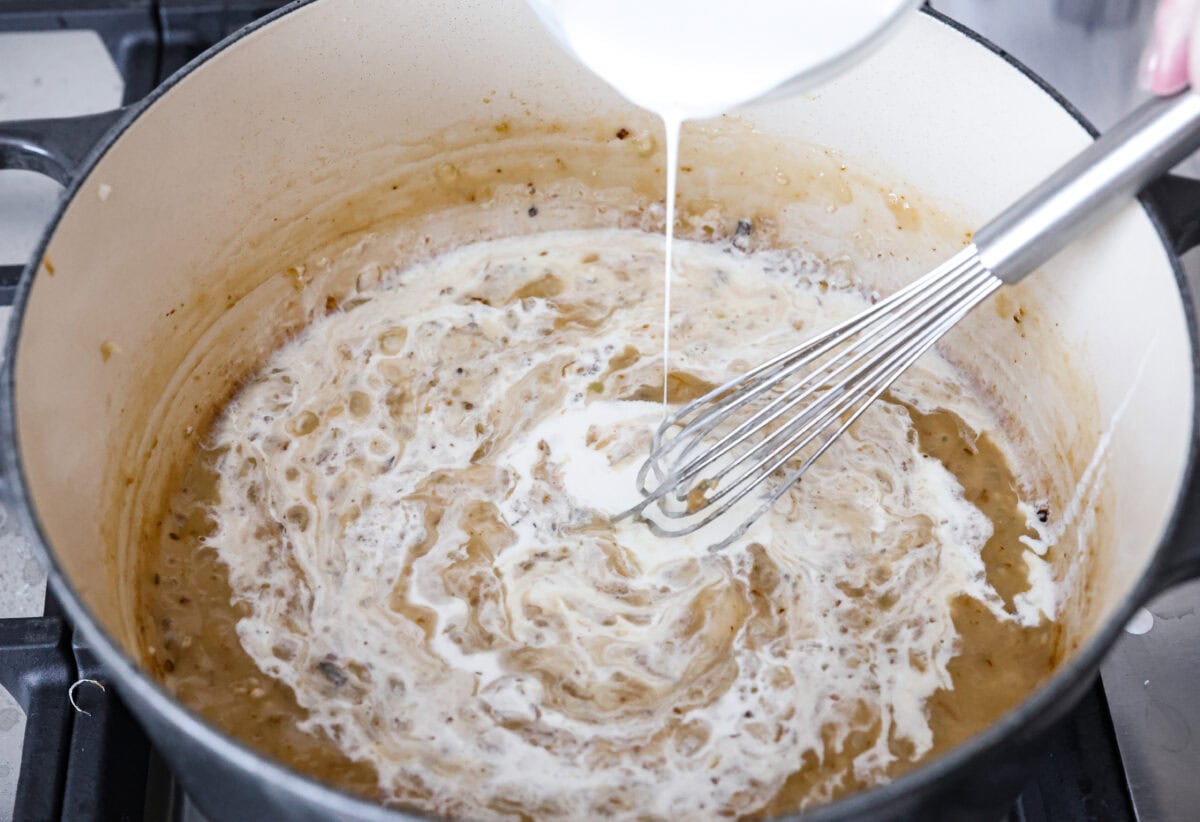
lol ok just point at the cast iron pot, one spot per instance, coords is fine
(226, 166)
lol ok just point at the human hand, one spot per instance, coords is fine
(1172, 60)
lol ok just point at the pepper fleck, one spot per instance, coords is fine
(332, 672)
(533, 211)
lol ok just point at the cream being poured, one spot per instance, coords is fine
(690, 59)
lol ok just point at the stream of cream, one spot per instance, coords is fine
(691, 59)
(672, 124)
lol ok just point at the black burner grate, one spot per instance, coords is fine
(1079, 776)
(75, 765)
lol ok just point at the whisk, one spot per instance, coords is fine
(730, 454)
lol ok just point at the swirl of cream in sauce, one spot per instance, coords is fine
(413, 503)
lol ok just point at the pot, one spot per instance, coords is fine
(192, 217)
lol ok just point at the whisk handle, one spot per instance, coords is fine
(1092, 185)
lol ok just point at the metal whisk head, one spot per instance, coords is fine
(762, 431)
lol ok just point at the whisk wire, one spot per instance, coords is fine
(810, 348)
(801, 355)
(803, 431)
(839, 373)
(959, 278)
(982, 292)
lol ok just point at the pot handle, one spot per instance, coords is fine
(1176, 200)
(54, 147)
(1180, 555)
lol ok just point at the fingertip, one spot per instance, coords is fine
(1156, 78)
(1165, 66)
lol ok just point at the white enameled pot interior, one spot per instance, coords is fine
(167, 276)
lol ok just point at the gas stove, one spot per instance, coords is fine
(70, 750)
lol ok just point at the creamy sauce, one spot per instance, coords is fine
(400, 574)
(690, 59)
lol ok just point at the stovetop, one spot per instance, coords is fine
(1127, 752)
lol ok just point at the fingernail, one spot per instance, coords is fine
(1164, 67)
(1159, 76)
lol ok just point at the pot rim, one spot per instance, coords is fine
(1030, 713)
